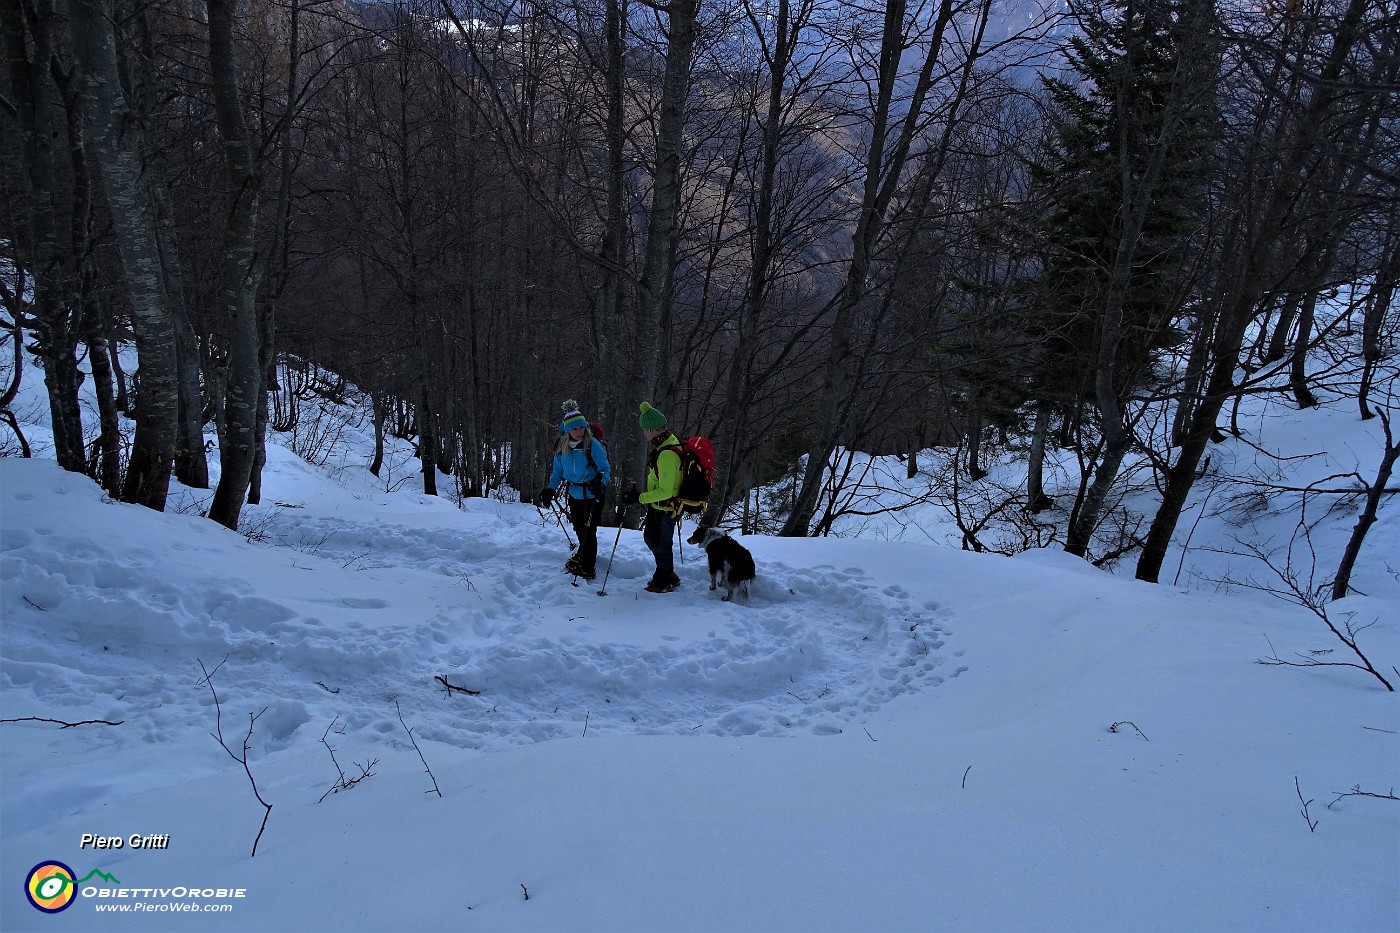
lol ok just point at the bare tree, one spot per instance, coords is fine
(122, 155)
(1342, 582)
(32, 39)
(242, 274)
(1282, 145)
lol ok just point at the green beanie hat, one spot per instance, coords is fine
(651, 419)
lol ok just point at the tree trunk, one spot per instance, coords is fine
(883, 172)
(1193, 380)
(114, 355)
(238, 442)
(733, 417)
(1298, 370)
(1249, 248)
(1181, 476)
(975, 430)
(1138, 193)
(191, 463)
(1378, 303)
(427, 439)
(1283, 329)
(267, 312)
(1342, 581)
(662, 223)
(377, 403)
(109, 439)
(1036, 500)
(53, 265)
(617, 402)
(267, 367)
(1089, 508)
(121, 157)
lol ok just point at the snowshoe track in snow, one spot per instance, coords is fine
(485, 605)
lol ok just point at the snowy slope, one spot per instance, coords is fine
(889, 736)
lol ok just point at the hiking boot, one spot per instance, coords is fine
(585, 573)
(572, 565)
(664, 586)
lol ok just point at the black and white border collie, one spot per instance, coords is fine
(731, 564)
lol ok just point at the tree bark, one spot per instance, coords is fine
(615, 409)
(1378, 303)
(109, 439)
(1036, 500)
(1342, 581)
(662, 222)
(378, 406)
(121, 156)
(55, 315)
(191, 464)
(242, 273)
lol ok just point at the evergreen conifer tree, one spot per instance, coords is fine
(1120, 182)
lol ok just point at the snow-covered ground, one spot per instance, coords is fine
(888, 736)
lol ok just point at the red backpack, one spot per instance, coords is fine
(597, 431)
(697, 473)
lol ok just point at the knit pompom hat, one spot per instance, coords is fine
(651, 419)
(573, 418)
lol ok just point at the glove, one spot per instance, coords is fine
(631, 496)
(546, 496)
(596, 488)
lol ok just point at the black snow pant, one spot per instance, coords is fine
(584, 515)
(657, 531)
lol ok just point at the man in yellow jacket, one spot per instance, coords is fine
(663, 485)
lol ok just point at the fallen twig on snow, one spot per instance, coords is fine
(1356, 791)
(453, 687)
(1114, 728)
(65, 724)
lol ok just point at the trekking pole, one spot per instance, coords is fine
(620, 512)
(559, 517)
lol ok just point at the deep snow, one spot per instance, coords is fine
(889, 736)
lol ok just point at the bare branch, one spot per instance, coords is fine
(1114, 728)
(1295, 591)
(453, 687)
(1356, 791)
(436, 789)
(243, 758)
(342, 782)
(65, 724)
(1312, 823)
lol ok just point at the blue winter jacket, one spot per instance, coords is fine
(572, 467)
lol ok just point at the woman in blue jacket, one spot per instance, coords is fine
(581, 463)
